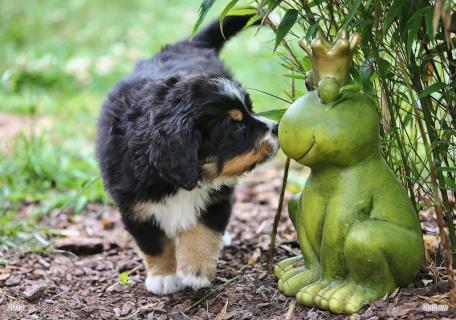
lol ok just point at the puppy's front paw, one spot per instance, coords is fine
(164, 284)
(193, 280)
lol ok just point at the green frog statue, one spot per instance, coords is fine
(358, 232)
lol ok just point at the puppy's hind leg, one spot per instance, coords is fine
(158, 253)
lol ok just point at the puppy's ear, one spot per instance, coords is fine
(174, 152)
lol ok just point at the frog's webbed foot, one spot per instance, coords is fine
(293, 279)
(348, 298)
(307, 295)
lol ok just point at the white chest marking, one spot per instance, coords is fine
(180, 211)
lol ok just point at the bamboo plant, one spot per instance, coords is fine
(407, 61)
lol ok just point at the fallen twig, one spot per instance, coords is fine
(7, 295)
(213, 292)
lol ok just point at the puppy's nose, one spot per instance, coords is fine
(275, 129)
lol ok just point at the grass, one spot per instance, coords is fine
(58, 62)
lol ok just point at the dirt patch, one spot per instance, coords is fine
(13, 125)
(60, 285)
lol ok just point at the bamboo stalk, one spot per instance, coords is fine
(271, 251)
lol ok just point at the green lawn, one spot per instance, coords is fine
(58, 61)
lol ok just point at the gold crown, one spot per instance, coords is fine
(331, 59)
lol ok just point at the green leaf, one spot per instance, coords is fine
(252, 20)
(414, 26)
(272, 4)
(295, 76)
(393, 12)
(225, 11)
(450, 184)
(202, 12)
(432, 88)
(307, 65)
(352, 13)
(273, 114)
(243, 12)
(123, 277)
(289, 19)
(311, 32)
(447, 169)
(428, 17)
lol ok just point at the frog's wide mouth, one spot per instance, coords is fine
(307, 152)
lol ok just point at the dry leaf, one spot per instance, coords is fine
(392, 295)
(222, 312)
(426, 281)
(446, 19)
(386, 115)
(254, 257)
(291, 308)
(437, 13)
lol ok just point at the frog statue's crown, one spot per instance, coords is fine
(331, 59)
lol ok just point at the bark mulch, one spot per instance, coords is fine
(81, 279)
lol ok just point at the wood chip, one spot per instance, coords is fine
(80, 245)
(34, 292)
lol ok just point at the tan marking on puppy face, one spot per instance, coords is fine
(238, 165)
(197, 252)
(163, 264)
(236, 115)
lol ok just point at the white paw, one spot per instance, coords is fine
(164, 284)
(193, 281)
(227, 239)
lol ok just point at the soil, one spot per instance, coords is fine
(81, 279)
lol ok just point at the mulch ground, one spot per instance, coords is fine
(60, 284)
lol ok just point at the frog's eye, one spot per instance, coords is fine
(236, 115)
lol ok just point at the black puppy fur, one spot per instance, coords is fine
(166, 133)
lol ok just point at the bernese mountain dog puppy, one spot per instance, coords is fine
(173, 138)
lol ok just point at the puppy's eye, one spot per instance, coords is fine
(236, 115)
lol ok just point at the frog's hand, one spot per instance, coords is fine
(293, 207)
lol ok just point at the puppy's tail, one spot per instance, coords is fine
(212, 37)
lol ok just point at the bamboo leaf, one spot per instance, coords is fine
(428, 16)
(243, 12)
(272, 4)
(289, 19)
(352, 13)
(415, 23)
(295, 76)
(202, 12)
(447, 169)
(450, 184)
(252, 20)
(311, 31)
(225, 11)
(432, 88)
(393, 13)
